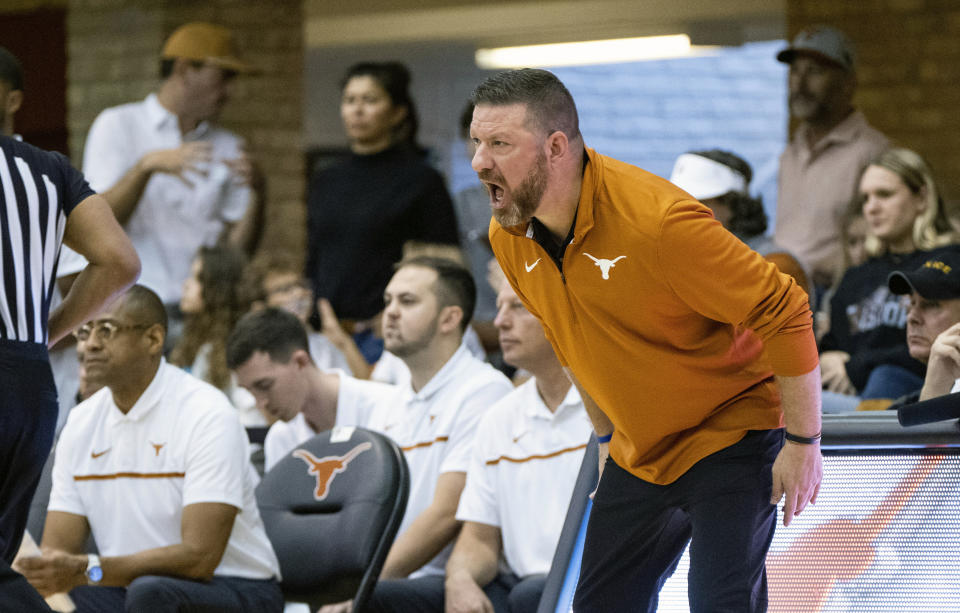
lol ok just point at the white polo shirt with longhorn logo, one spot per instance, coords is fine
(357, 400)
(132, 474)
(525, 464)
(435, 426)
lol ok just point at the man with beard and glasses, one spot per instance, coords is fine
(427, 307)
(689, 350)
(820, 167)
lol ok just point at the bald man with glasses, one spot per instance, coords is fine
(156, 467)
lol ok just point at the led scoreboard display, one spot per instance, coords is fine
(884, 534)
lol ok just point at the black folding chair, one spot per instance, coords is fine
(332, 508)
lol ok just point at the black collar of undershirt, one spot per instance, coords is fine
(551, 245)
(545, 238)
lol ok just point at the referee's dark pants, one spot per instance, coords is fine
(28, 417)
(638, 530)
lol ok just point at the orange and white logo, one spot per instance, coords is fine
(325, 469)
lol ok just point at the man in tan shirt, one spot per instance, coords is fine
(820, 168)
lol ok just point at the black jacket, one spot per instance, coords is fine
(869, 322)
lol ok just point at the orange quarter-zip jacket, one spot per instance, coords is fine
(663, 316)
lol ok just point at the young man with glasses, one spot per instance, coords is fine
(156, 467)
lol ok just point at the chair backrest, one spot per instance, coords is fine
(332, 508)
(565, 569)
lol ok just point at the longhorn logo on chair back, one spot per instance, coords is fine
(326, 468)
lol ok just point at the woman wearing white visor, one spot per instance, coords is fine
(720, 180)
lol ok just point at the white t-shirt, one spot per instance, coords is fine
(132, 474)
(172, 219)
(242, 400)
(356, 402)
(64, 362)
(524, 466)
(435, 429)
(325, 354)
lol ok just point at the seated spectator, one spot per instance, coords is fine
(212, 302)
(428, 304)
(933, 321)
(720, 180)
(186, 532)
(270, 354)
(281, 284)
(527, 453)
(864, 355)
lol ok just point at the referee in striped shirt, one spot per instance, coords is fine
(43, 201)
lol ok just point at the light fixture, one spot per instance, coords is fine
(591, 52)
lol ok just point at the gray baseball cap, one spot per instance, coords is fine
(823, 42)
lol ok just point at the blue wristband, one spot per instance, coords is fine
(605, 439)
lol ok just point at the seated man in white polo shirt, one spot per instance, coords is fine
(527, 453)
(428, 304)
(270, 353)
(155, 465)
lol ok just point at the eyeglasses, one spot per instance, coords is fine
(105, 330)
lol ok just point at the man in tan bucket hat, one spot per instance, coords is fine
(174, 179)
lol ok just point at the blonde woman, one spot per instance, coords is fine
(864, 355)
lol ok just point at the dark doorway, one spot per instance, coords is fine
(38, 38)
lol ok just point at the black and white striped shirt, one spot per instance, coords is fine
(39, 189)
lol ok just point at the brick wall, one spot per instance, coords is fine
(909, 72)
(113, 51)
(19, 6)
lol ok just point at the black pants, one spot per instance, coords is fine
(152, 594)
(638, 530)
(28, 417)
(507, 594)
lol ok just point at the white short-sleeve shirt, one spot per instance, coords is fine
(325, 354)
(525, 464)
(356, 402)
(132, 474)
(64, 361)
(435, 429)
(174, 217)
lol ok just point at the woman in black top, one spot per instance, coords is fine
(865, 354)
(362, 211)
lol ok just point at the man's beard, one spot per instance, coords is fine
(526, 198)
(406, 347)
(804, 106)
